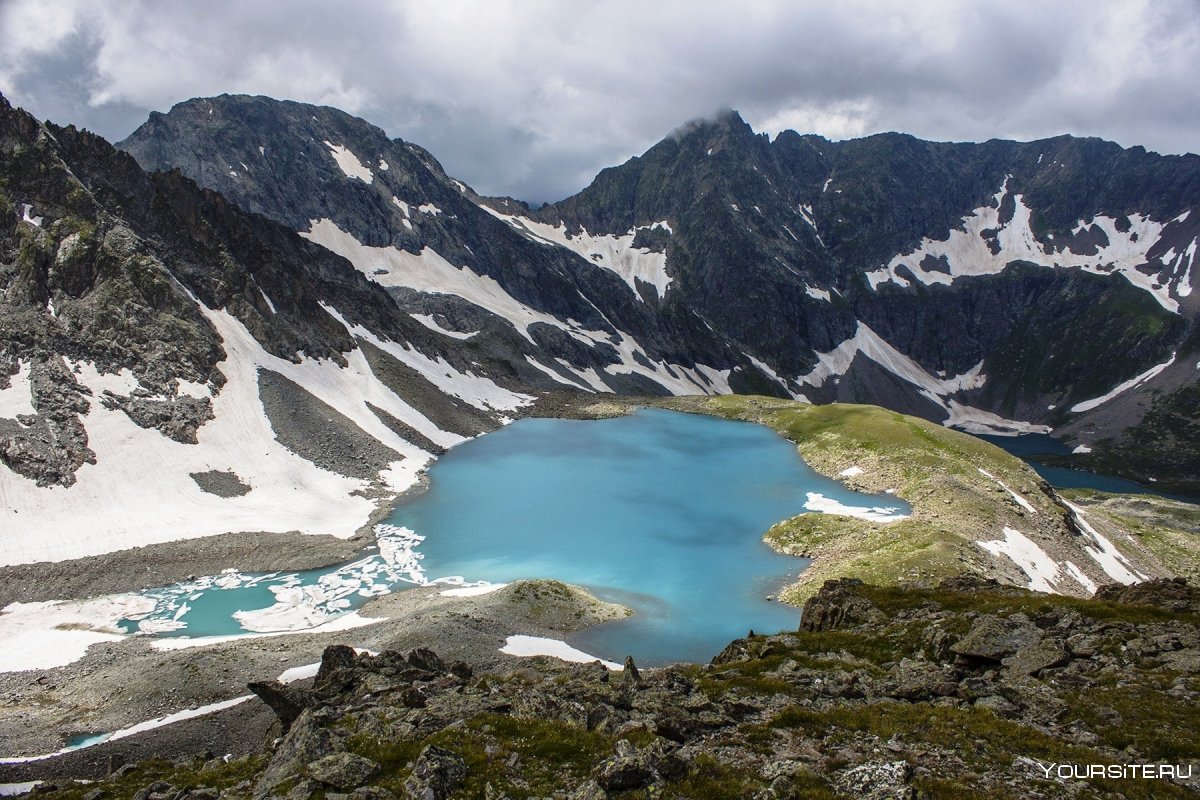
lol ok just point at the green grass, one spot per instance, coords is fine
(935, 469)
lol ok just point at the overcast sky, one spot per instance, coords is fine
(531, 98)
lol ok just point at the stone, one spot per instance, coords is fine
(342, 770)
(631, 676)
(628, 769)
(335, 657)
(436, 774)
(916, 680)
(1031, 660)
(838, 605)
(286, 701)
(423, 658)
(877, 780)
(993, 639)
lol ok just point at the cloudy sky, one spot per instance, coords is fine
(532, 97)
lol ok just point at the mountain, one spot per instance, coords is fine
(1030, 280)
(997, 287)
(174, 367)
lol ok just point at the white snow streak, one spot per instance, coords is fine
(1088, 405)
(1036, 563)
(615, 253)
(429, 322)
(428, 272)
(481, 392)
(27, 215)
(1020, 500)
(1104, 552)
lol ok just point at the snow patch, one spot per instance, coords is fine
(1104, 552)
(429, 322)
(1079, 577)
(481, 392)
(967, 249)
(976, 420)
(1081, 449)
(18, 397)
(50, 634)
(613, 252)
(540, 646)
(140, 491)
(1036, 563)
(1020, 500)
(428, 272)
(430, 209)
(267, 299)
(349, 164)
(27, 216)
(850, 472)
(818, 294)
(473, 591)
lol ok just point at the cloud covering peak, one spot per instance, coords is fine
(530, 98)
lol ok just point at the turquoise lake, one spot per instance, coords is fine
(661, 511)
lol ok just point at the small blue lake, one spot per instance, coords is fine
(661, 511)
(1033, 446)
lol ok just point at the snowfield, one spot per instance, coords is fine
(966, 251)
(140, 492)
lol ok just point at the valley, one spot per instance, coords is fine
(238, 345)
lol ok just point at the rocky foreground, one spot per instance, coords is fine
(967, 690)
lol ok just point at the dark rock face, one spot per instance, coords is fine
(112, 273)
(1175, 594)
(837, 605)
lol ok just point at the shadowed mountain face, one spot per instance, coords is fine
(995, 286)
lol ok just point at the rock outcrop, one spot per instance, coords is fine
(897, 693)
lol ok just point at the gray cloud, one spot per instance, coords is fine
(532, 97)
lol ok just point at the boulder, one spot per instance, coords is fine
(342, 770)
(992, 639)
(437, 773)
(1038, 656)
(286, 701)
(838, 604)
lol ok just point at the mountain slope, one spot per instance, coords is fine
(1029, 280)
(165, 351)
(556, 319)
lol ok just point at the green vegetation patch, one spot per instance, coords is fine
(934, 469)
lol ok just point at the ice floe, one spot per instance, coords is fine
(827, 505)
